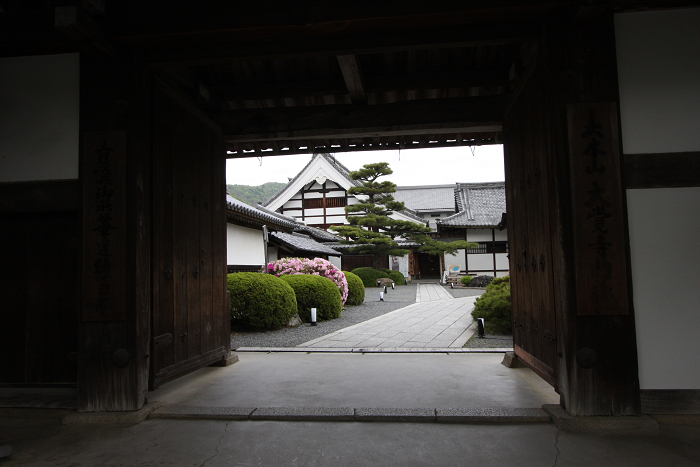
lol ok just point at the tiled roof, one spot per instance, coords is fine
(300, 242)
(345, 246)
(478, 204)
(427, 198)
(316, 233)
(344, 171)
(263, 216)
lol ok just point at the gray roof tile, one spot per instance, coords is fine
(479, 205)
(301, 242)
(427, 198)
(264, 216)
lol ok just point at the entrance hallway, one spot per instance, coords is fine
(435, 321)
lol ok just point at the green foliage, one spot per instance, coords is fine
(396, 276)
(356, 289)
(253, 195)
(494, 306)
(260, 301)
(369, 276)
(315, 292)
(466, 280)
(435, 247)
(498, 280)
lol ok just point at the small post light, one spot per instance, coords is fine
(392, 286)
(480, 326)
(405, 282)
(381, 296)
(313, 317)
(452, 285)
(385, 289)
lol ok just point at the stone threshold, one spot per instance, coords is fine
(372, 350)
(350, 414)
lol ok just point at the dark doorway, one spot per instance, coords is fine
(428, 266)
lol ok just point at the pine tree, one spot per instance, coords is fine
(372, 231)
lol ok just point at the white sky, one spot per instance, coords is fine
(437, 166)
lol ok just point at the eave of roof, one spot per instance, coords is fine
(303, 243)
(480, 205)
(239, 210)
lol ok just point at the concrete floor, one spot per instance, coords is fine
(344, 380)
(430, 380)
(210, 443)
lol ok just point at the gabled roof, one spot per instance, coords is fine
(297, 242)
(316, 233)
(478, 204)
(240, 211)
(427, 197)
(321, 166)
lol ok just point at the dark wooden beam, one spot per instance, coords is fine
(352, 74)
(335, 121)
(396, 82)
(76, 24)
(41, 196)
(664, 170)
(312, 41)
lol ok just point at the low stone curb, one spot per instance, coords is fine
(317, 414)
(374, 349)
(394, 415)
(110, 418)
(179, 412)
(505, 415)
(566, 422)
(349, 414)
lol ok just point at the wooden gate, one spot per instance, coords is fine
(190, 319)
(529, 179)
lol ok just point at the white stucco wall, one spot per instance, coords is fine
(335, 260)
(659, 76)
(457, 258)
(39, 117)
(244, 246)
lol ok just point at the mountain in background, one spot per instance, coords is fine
(253, 195)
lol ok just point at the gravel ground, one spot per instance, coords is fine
(393, 300)
(401, 296)
(490, 341)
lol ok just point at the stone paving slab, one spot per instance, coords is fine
(486, 415)
(318, 414)
(566, 422)
(373, 350)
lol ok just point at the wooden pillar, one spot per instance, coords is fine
(113, 354)
(596, 342)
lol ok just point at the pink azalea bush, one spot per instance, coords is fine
(316, 267)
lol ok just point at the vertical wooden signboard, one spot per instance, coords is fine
(104, 223)
(599, 228)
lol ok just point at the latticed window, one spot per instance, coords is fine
(314, 203)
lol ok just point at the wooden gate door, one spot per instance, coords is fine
(528, 188)
(190, 318)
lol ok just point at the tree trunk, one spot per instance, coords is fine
(377, 262)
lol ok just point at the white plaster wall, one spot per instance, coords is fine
(39, 117)
(244, 245)
(485, 235)
(335, 260)
(457, 258)
(481, 262)
(665, 248)
(659, 76)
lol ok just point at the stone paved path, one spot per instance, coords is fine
(436, 320)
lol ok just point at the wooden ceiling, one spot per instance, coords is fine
(316, 76)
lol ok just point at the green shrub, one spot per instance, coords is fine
(260, 301)
(369, 276)
(315, 292)
(466, 280)
(356, 289)
(498, 280)
(396, 276)
(494, 306)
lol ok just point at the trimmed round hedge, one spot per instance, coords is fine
(356, 289)
(369, 276)
(396, 276)
(315, 292)
(260, 301)
(495, 306)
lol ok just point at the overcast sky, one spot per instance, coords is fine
(437, 166)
